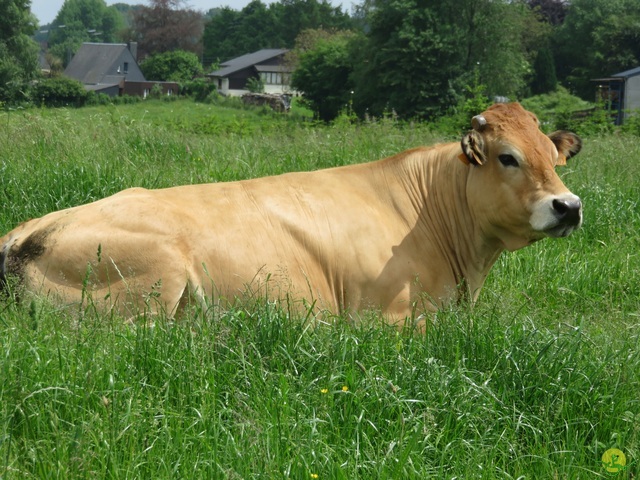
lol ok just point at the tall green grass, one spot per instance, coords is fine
(537, 380)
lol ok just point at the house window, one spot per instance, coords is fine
(126, 67)
(272, 78)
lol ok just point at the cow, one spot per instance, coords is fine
(404, 236)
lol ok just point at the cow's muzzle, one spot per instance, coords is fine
(567, 211)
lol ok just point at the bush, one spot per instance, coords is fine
(229, 102)
(126, 99)
(459, 121)
(632, 123)
(555, 108)
(255, 85)
(198, 89)
(177, 66)
(213, 97)
(597, 121)
(94, 99)
(58, 92)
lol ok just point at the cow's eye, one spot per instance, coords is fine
(508, 160)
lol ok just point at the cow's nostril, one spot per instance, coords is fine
(568, 210)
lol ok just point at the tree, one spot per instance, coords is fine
(544, 77)
(176, 66)
(597, 39)
(420, 54)
(497, 36)
(164, 26)
(408, 60)
(258, 28)
(552, 11)
(230, 33)
(305, 41)
(617, 39)
(81, 21)
(18, 52)
(126, 11)
(219, 34)
(323, 75)
(295, 16)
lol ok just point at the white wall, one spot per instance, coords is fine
(632, 93)
(277, 89)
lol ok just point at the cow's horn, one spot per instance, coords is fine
(478, 122)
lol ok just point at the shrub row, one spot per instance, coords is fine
(66, 92)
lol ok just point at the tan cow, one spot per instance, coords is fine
(405, 234)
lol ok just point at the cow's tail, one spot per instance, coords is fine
(6, 243)
(3, 266)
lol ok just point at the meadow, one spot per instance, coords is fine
(536, 380)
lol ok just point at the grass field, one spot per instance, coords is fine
(536, 381)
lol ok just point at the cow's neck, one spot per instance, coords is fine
(445, 220)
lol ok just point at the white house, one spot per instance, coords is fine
(268, 65)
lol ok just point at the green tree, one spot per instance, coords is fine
(305, 41)
(598, 38)
(229, 33)
(126, 11)
(81, 21)
(499, 38)
(419, 54)
(176, 66)
(257, 29)
(323, 75)
(295, 16)
(552, 11)
(18, 52)
(406, 64)
(218, 39)
(544, 77)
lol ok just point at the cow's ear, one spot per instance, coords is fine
(473, 149)
(567, 143)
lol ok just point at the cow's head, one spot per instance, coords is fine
(513, 188)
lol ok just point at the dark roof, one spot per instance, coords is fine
(93, 61)
(628, 73)
(608, 79)
(102, 86)
(240, 63)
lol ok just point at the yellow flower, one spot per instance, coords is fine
(314, 475)
(345, 389)
(323, 391)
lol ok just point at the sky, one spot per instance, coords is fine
(46, 10)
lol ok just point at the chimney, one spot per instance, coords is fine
(133, 48)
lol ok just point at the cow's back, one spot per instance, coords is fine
(319, 235)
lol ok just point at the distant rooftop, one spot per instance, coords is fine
(240, 63)
(91, 64)
(628, 73)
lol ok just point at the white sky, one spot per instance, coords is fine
(46, 10)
